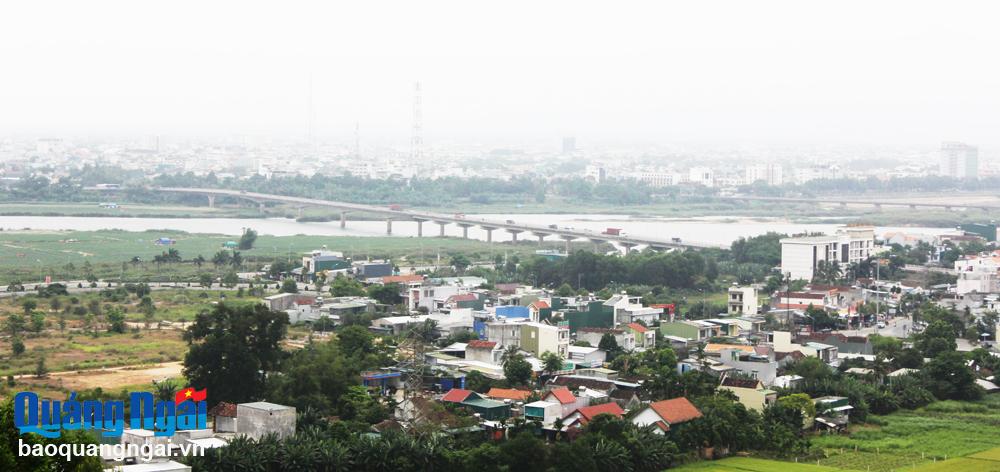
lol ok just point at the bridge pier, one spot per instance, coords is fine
(442, 224)
(343, 219)
(513, 234)
(388, 226)
(541, 236)
(300, 212)
(628, 246)
(465, 229)
(260, 207)
(420, 226)
(567, 240)
(489, 232)
(211, 201)
(878, 207)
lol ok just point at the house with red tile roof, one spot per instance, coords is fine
(511, 394)
(582, 416)
(459, 395)
(666, 413)
(645, 338)
(566, 400)
(402, 279)
(223, 417)
(483, 351)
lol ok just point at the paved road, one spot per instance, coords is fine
(901, 327)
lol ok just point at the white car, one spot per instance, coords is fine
(881, 324)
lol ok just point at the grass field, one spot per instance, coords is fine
(944, 436)
(748, 464)
(124, 211)
(78, 351)
(30, 255)
(940, 431)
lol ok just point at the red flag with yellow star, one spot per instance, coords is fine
(190, 394)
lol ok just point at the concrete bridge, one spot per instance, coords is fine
(442, 220)
(878, 204)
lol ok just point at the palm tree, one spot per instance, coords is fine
(165, 390)
(509, 353)
(551, 362)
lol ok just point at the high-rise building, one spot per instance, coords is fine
(569, 145)
(768, 173)
(959, 160)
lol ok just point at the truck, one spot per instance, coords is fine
(395, 207)
(613, 232)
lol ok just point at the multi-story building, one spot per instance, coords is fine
(624, 337)
(536, 338)
(959, 160)
(742, 301)
(767, 173)
(629, 309)
(800, 256)
(658, 179)
(701, 175)
(978, 273)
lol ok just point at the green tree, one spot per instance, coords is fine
(949, 378)
(386, 294)
(460, 263)
(205, 279)
(17, 346)
(609, 344)
(565, 290)
(232, 349)
(289, 286)
(247, 239)
(40, 369)
(37, 321)
(938, 337)
(116, 320)
(148, 309)
(29, 306)
(165, 389)
(356, 341)
(357, 404)
(230, 280)
(517, 370)
(14, 324)
(551, 362)
(342, 286)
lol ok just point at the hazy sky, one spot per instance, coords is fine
(885, 72)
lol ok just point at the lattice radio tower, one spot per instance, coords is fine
(417, 140)
(412, 364)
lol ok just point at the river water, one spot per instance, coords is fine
(712, 230)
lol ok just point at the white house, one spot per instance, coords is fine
(800, 256)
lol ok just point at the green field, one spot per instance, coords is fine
(944, 436)
(748, 464)
(940, 431)
(30, 255)
(124, 211)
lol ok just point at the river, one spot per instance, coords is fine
(715, 230)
